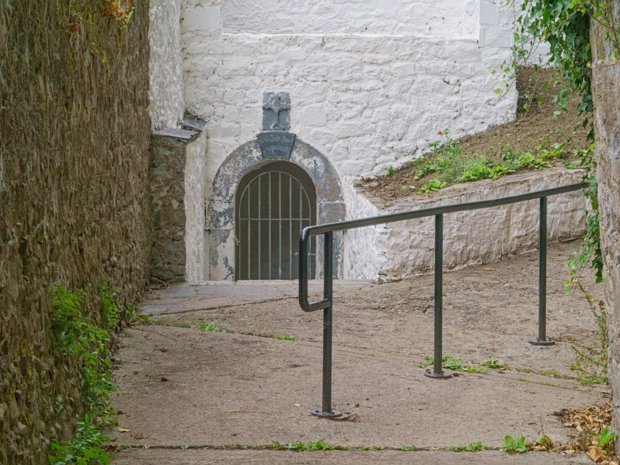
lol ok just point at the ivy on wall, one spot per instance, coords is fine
(565, 26)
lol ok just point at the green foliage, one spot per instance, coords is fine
(305, 446)
(449, 166)
(456, 364)
(76, 336)
(411, 448)
(132, 317)
(565, 26)
(285, 337)
(110, 312)
(606, 436)
(545, 442)
(207, 327)
(390, 171)
(493, 364)
(433, 186)
(84, 449)
(515, 445)
(367, 448)
(477, 446)
(89, 344)
(321, 445)
(591, 362)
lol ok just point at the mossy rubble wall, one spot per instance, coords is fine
(74, 146)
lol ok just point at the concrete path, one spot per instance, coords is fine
(188, 396)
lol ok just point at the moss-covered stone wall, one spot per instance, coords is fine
(74, 208)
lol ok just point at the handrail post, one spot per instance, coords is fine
(542, 339)
(328, 292)
(438, 372)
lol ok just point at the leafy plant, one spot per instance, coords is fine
(606, 436)
(285, 337)
(390, 171)
(76, 336)
(515, 445)
(433, 186)
(132, 317)
(89, 344)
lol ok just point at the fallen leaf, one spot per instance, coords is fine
(595, 453)
(122, 430)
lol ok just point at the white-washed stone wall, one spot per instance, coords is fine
(371, 84)
(422, 18)
(166, 103)
(479, 236)
(366, 100)
(194, 200)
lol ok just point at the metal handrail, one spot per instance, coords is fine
(326, 304)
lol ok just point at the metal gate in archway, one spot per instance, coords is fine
(272, 206)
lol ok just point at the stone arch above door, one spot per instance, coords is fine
(220, 214)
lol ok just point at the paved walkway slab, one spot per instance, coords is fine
(188, 396)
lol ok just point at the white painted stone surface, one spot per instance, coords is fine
(423, 18)
(165, 64)
(371, 84)
(480, 236)
(194, 199)
(367, 99)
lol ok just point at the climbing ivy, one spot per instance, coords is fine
(565, 26)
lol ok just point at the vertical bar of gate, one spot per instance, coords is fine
(328, 291)
(542, 340)
(438, 372)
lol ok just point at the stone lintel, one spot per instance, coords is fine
(178, 134)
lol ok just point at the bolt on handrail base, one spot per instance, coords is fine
(437, 375)
(542, 342)
(321, 414)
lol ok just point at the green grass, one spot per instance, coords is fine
(606, 436)
(285, 337)
(477, 446)
(208, 327)
(456, 364)
(306, 446)
(447, 164)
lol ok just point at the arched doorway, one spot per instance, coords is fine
(247, 158)
(273, 203)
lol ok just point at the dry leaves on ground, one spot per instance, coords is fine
(589, 422)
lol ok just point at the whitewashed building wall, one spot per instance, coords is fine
(371, 82)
